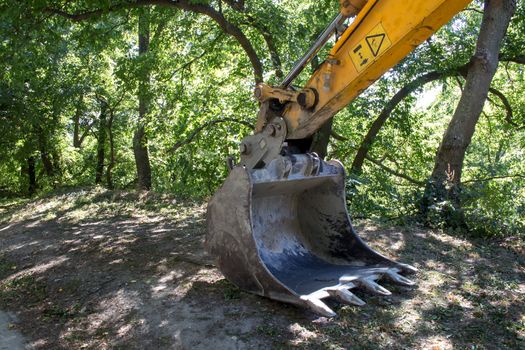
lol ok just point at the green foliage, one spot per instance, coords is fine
(56, 73)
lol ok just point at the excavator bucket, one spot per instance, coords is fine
(283, 232)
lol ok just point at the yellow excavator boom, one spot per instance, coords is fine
(382, 34)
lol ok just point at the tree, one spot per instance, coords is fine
(140, 140)
(101, 140)
(444, 182)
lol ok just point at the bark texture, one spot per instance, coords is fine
(78, 134)
(101, 145)
(446, 176)
(140, 141)
(31, 174)
(45, 155)
(321, 139)
(76, 127)
(111, 163)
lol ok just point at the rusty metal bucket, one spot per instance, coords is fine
(283, 232)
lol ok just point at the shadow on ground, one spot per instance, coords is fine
(98, 269)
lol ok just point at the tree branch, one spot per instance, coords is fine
(378, 123)
(85, 133)
(265, 32)
(270, 43)
(405, 91)
(394, 172)
(474, 10)
(210, 45)
(518, 176)
(186, 5)
(519, 59)
(206, 125)
(509, 116)
(236, 5)
(380, 164)
(337, 137)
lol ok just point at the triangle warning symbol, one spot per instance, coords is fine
(375, 42)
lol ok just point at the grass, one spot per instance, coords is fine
(57, 312)
(25, 288)
(229, 290)
(79, 205)
(470, 293)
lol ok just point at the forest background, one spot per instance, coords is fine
(156, 94)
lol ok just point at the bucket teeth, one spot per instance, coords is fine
(319, 307)
(347, 280)
(399, 279)
(283, 232)
(370, 285)
(342, 290)
(347, 297)
(408, 268)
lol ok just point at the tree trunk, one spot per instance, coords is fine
(31, 174)
(444, 183)
(76, 124)
(101, 145)
(321, 139)
(56, 158)
(111, 163)
(44, 153)
(140, 142)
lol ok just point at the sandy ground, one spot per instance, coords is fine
(108, 270)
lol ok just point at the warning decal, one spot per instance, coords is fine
(374, 44)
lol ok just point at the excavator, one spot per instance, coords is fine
(279, 227)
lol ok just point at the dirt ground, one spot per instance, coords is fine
(94, 269)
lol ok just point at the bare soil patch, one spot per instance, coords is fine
(95, 269)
